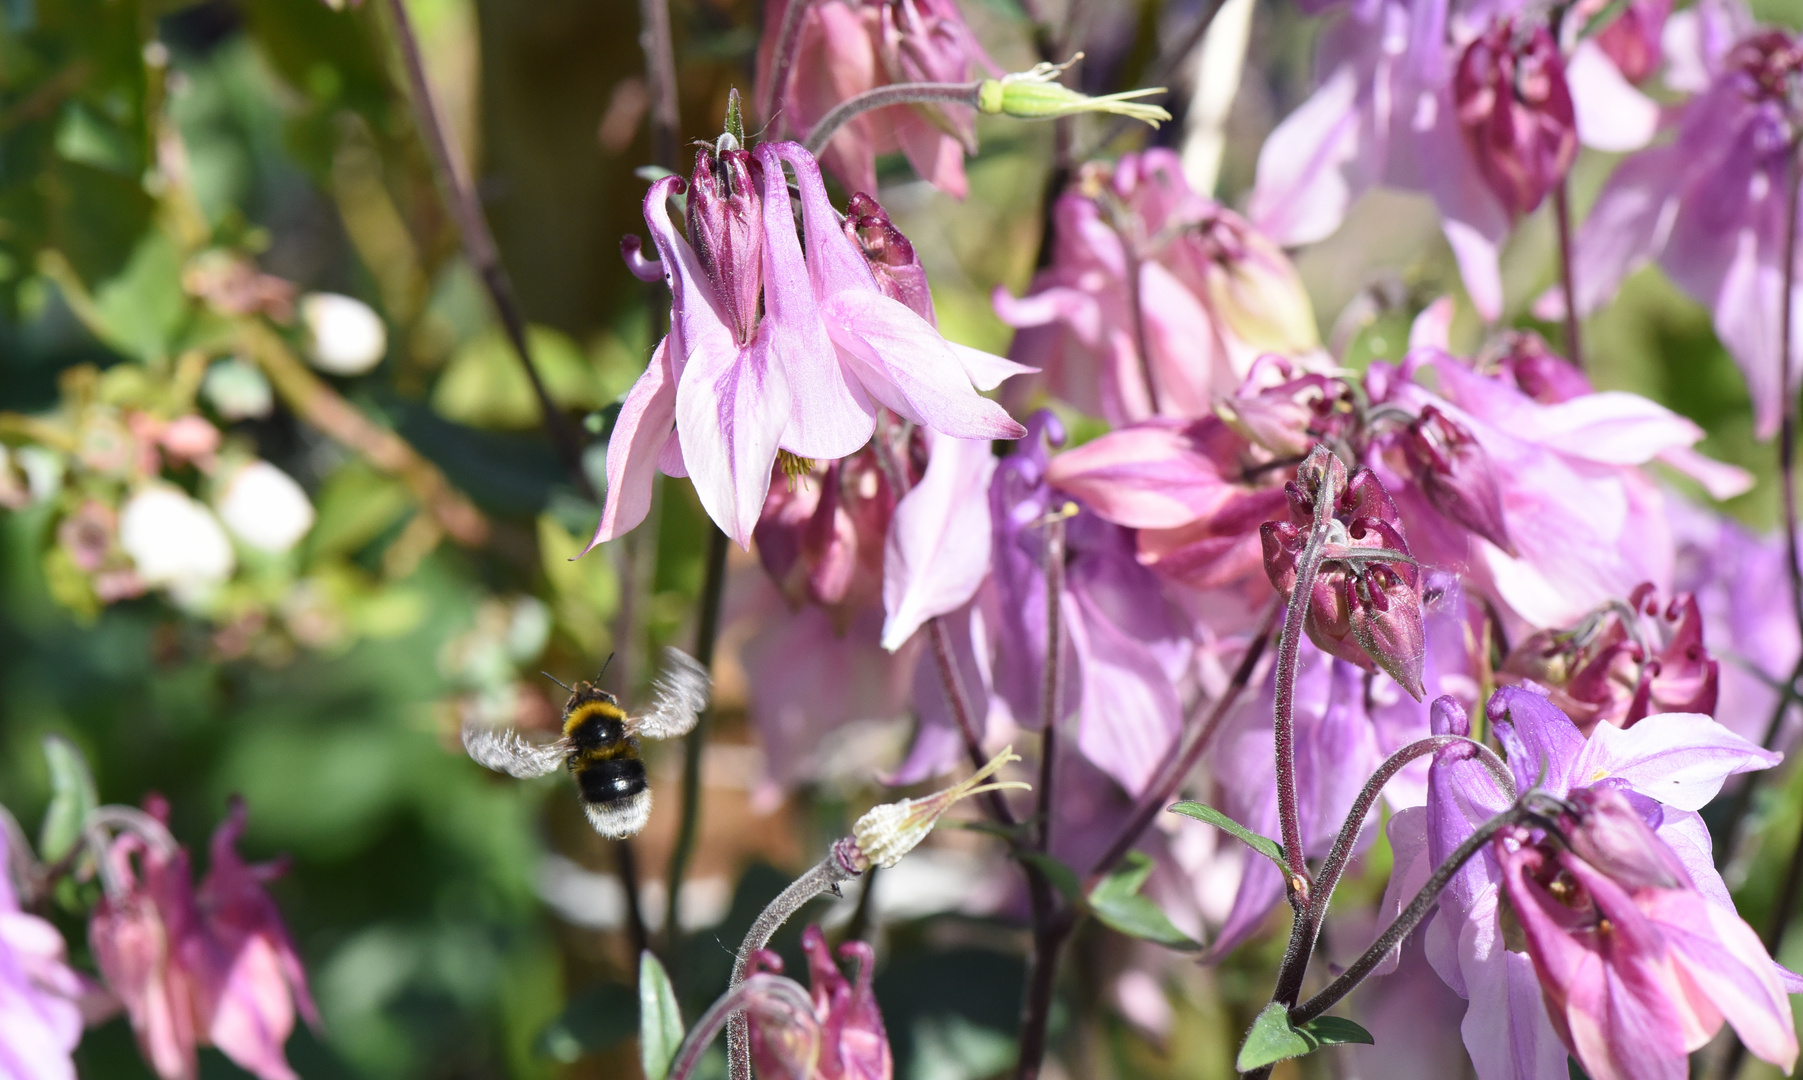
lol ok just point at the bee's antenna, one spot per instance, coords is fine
(604, 664)
(556, 680)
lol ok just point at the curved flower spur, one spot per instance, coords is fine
(600, 744)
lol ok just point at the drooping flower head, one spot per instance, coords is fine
(802, 370)
(1515, 110)
(844, 1039)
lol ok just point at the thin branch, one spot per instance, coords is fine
(1289, 654)
(1574, 345)
(707, 632)
(660, 73)
(884, 96)
(782, 57)
(479, 242)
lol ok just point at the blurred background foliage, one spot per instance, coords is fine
(457, 924)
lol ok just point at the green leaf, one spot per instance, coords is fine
(1062, 877)
(1116, 902)
(594, 1020)
(1273, 1038)
(1264, 845)
(660, 1021)
(72, 799)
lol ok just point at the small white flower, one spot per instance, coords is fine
(237, 390)
(265, 508)
(174, 540)
(347, 337)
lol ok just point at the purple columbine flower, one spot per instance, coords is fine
(735, 382)
(1666, 767)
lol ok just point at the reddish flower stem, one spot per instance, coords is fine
(1289, 654)
(660, 73)
(1574, 346)
(782, 57)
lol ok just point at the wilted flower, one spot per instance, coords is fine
(1516, 111)
(728, 388)
(1365, 605)
(1157, 299)
(345, 336)
(889, 831)
(173, 540)
(1624, 662)
(846, 47)
(1037, 95)
(212, 966)
(265, 508)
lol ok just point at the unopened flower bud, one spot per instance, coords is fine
(345, 335)
(1455, 474)
(1541, 373)
(726, 228)
(887, 832)
(1515, 109)
(1037, 95)
(890, 255)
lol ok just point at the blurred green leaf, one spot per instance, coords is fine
(1117, 903)
(1264, 845)
(660, 1021)
(1062, 877)
(1273, 1038)
(72, 798)
(594, 1020)
(484, 385)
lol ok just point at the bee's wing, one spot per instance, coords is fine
(682, 689)
(505, 750)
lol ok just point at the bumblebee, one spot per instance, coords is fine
(600, 744)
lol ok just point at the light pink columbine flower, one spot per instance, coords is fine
(1637, 966)
(804, 370)
(212, 966)
(1469, 102)
(1140, 257)
(42, 999)
(842, 1039)
(1665, 768)
(1709, 207)
(849, 46)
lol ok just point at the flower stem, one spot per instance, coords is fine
(1052, 925)
(1152, 803)
(707, 631)
(1574, 347)
(660, 72)
(1787, 388)
(824, 877)
(1410, 917)
(1289, 654)
(884, 96)
(782, 57)
(479, 244)
(1307, 927)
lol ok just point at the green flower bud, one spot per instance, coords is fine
(1037, 95)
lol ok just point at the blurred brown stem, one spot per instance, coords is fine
(479, 242)
(1574, 345)
(314, 401)
(660, 73)
(707, 632)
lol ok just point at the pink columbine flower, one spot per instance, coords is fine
(843, 1039)
(212, 966)
(1157, 299)
(42, 999)
(1638, 968)
(1457, 99)
(1665, 768)
(849, 46)
(804, 372)
(1709, 207)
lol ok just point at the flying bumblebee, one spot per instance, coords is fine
(600, 744)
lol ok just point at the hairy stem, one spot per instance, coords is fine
(707, 630)
(1153, 802)
(1410, 917)
(478, 243)
(1574, 346)
(1289, 654)
(824, 877)
(1305, 929)
(884, 96)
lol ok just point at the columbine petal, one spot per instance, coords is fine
(1303, 190)
(1612, 116)
(641, 433)
(937, 552)
(733, 407)
(1681, 759)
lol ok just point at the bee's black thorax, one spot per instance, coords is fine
(604, 759)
